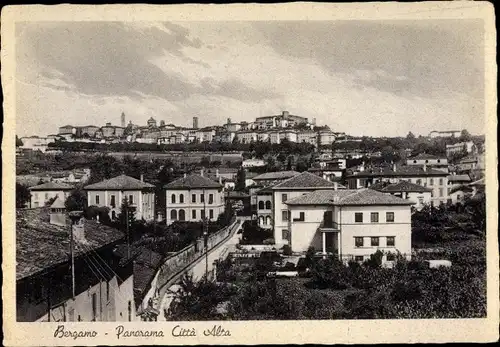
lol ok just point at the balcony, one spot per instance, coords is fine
(329, 226)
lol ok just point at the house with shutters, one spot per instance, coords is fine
(111, 192)
(296, 186)
(193, 198)
(351, 223)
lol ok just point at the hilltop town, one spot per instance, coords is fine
(286, 197)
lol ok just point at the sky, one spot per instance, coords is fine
(371, 78)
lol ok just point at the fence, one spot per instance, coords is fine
(176, 263)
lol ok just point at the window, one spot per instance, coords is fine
(46, 196)
(284, 197)
(414, 162)
(419, 182)
(431, 182)
(439, 160)
(389, 217)
(440, 192)
(284, 234)
(97, 199)
(107, 290)
(113, 215)
(211, 214)
(391, 242)
(375, 241)
(358, 241)
(181, 199)
(210, 198)
(193, 214)
(359, 258)
(113, 202)
(284, 215)
(173, 215)
(374, 217)
(440, 181)
(193, 198)
(130, 199)
(426, 161)
(202, 214)
(390, 257)
(302, 216)
(358, 217)
(172, 198)
(420, 200)
(268, 205)
(182, 215)
(261, 205)
(202, 198)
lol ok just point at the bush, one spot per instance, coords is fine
(268, 242)
(287, 250)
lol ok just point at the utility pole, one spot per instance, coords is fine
(74, 216)
(128, 233)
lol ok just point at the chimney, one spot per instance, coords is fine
(142, 178)
(394, 167)
(425, 167)
(97, 218)
(57, 213)
(220, 180)
(229, 121)
(185, 175)
(195, 122)
(78, 229)
(335, 186)
(285, 113)
(216, 172)
(313, 121)
(201, 172)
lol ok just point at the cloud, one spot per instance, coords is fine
(362, 78)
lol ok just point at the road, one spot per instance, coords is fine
(198, 268)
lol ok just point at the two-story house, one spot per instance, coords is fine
(419, 195)
(111, 192)
(193, 198)
(352, 224)
(301, 184)
(436, 180)
(44, 193)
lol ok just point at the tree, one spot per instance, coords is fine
(240, 180)
(289, 164)
(410, 136)
(18, 142)
(22, 195)
(465, 135)
(76, 201)
(271, 163)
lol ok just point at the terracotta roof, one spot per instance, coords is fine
(276, 175)
(425, 156)
(58, 203)
(460, 178)
(121, 182)
(52, 186)
(354, 197)
(40, 245)
(405, 186)
(479, 182)
(305, 180)
(460, 187)
(192, 181)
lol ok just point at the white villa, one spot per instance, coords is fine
(350, 223)
(193, 198)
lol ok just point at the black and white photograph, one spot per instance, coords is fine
(183, 171)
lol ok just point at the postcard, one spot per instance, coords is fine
(249, 174)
